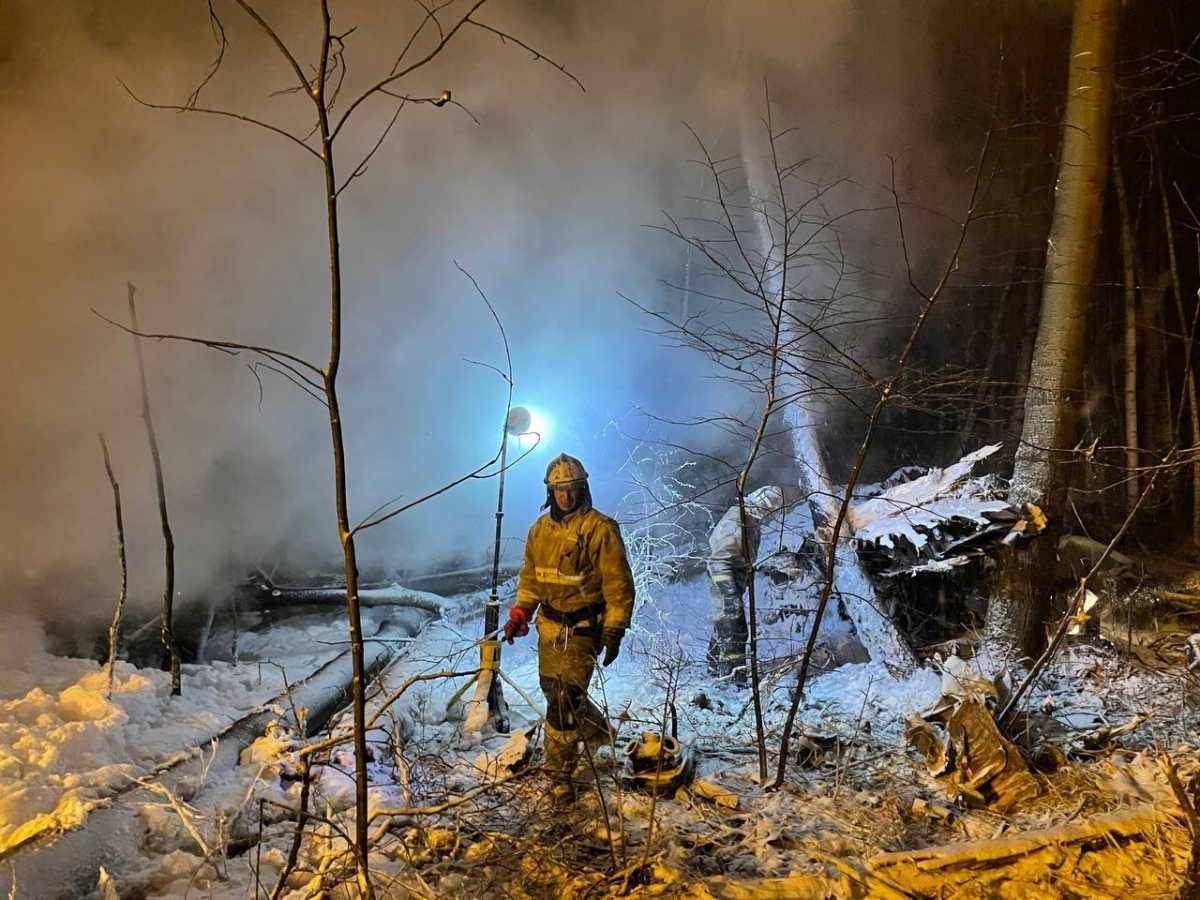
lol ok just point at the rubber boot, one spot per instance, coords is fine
(562, 750)
(595, 730)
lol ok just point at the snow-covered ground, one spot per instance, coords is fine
(65, 745)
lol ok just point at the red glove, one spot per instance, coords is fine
(517, 624)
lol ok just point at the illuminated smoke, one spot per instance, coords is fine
(221, 229)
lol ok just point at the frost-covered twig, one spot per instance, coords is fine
(333, 741)
(660, 519)
(435, 808)
(188, 815)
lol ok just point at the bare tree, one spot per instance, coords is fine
(886, 393)
(167, 629)
(780, 341)
(438, 26)
(1188, 394)
(115, 627)
(787, 235)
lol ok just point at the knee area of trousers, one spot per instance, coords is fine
(562, 702)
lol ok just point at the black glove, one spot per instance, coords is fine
(611, 639)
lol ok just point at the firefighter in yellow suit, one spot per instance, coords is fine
(577, 578)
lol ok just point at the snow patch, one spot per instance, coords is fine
(866, 694)
(65, 749)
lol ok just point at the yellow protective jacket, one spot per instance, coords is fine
(577, 563)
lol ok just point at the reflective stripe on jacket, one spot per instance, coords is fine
(577, 563)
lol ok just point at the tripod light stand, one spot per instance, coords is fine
(487, 704)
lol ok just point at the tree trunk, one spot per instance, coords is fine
(170, 648)
(1157, 413)
(1188, 396)
(1050, 424)
(1024, 361)
(1129, 387)
(358, 686)
(114, 629)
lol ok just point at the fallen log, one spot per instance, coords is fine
(798, 886)
(1146, 844)
(1127, 823)
(1179, 597)
(391, 595)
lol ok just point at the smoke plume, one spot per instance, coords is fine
(220, 226)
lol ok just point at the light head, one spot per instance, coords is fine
(519, 421)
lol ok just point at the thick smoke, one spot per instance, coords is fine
(221, 228)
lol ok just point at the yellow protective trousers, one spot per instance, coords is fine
(566, 658)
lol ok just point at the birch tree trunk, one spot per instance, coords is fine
(876, 632)
(1051, 402)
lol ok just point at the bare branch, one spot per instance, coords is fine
(443, 99)
(223, 113)
(475, 474)
(290, 375)
(483, 365)
(374, 519)
(397, 75)
(280, 45)
(362, 165)
(218, 32)
(499, 326)
(430, 16)
(229, 347)
(538, 56)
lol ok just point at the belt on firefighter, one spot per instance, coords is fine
(595, 611)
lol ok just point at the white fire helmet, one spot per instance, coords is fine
(565, 471)
(765, 500)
